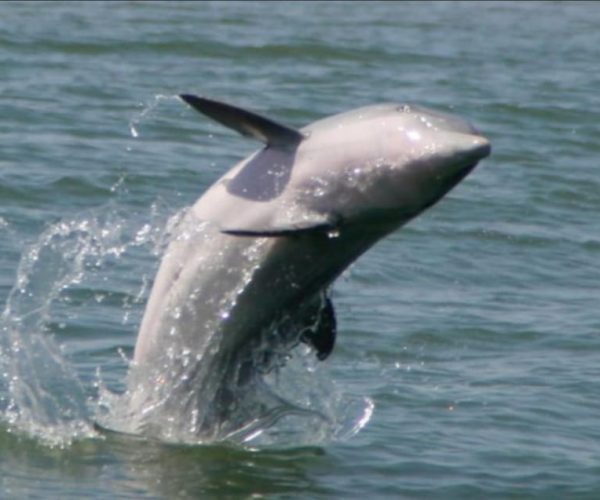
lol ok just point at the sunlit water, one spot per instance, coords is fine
(467, 352)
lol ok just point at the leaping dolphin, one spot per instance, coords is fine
(249, 267)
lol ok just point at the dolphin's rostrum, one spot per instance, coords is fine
(248, 269)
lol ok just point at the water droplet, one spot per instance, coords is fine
(413, 135)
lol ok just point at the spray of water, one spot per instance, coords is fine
(42, 393)
(293, 402)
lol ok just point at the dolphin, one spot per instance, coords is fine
(248, 269)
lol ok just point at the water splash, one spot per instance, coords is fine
(42, 392)
(147, 110)
(45, 396)
(307, 407)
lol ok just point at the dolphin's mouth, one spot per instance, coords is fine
(484, 150)
(481, 151)
(454, 178)
(463, 172)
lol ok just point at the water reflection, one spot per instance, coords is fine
(136, 467)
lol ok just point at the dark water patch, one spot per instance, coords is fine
(76, 186)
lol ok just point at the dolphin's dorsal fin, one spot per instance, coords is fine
(245, 122)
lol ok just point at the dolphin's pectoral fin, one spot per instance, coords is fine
(316, 223)
(245, 122)
(294, 230)
(322, 336)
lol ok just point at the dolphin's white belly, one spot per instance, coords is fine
(196, 291)
(227, 288)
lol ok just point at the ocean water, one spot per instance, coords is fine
(468, 351)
